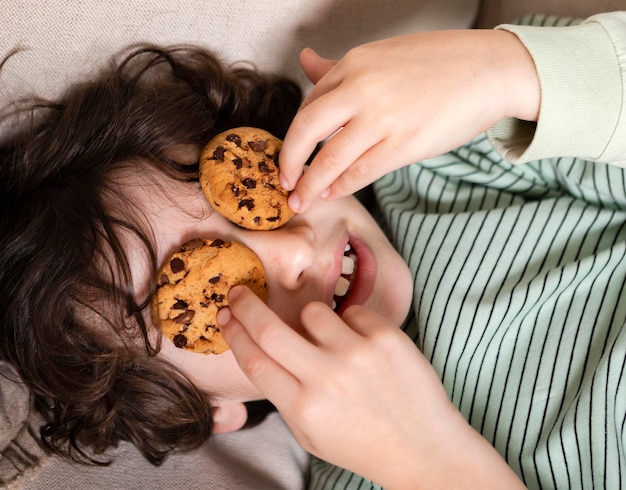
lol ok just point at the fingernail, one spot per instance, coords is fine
(294, 202)
(223, 316)
(283, 182)
(234, 293)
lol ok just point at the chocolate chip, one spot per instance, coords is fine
(215, 279)
(177, 265)
(180, 341)
(185, 318)
(218, 298)
(246, 203)
(180, 305)
(264, 168)
(249, 183)
(277, 208)
(217, 242)
(218, 153)
(192, 244)
(203, 304)
(257, 145)
(163, 279)
(235, 190)
(256, 220)
(234, 138)
(238, 162)
(209, 327)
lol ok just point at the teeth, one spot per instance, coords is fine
(341, 288)
(347, 265)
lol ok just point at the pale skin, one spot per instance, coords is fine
(302, 261)
(357, 392)
(402, 100)
(353, 389)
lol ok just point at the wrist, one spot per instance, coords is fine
(476, 463)
(517, 80)
(456, 457)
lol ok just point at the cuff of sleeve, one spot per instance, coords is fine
(581, 95)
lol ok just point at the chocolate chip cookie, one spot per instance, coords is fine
(239, 176)
(193, 285)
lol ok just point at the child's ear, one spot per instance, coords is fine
(229, 417)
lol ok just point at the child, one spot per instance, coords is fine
(519, 271)
(98, 189)
(111, 209)
(75, 175)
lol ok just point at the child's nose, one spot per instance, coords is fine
(287, 255)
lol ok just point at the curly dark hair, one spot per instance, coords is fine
(71, 323)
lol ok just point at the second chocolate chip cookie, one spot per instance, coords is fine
(239, 176)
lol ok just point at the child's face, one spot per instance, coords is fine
(302, 261)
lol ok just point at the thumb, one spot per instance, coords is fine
(314, 66)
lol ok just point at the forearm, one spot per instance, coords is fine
(459, 458)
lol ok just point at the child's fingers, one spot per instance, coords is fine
(325, 328)
(333, 159)
(367, 168)
(368, 323)
(319, 71)
(336, 335)
(316, 122)
(264, 372)
(271, 336)
(332, 332)
(315, 67)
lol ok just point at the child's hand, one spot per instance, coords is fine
(402, 100)
(357, 392)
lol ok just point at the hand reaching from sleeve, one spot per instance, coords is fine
(393, 102)
(356, 392)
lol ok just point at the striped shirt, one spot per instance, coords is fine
(520, 305)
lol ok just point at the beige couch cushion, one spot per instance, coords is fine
(66, 37)
(18, 448)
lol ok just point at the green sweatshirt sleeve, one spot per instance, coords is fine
(582, 75)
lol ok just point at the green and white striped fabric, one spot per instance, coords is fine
(520, 306)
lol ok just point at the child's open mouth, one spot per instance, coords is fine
(348, 273)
